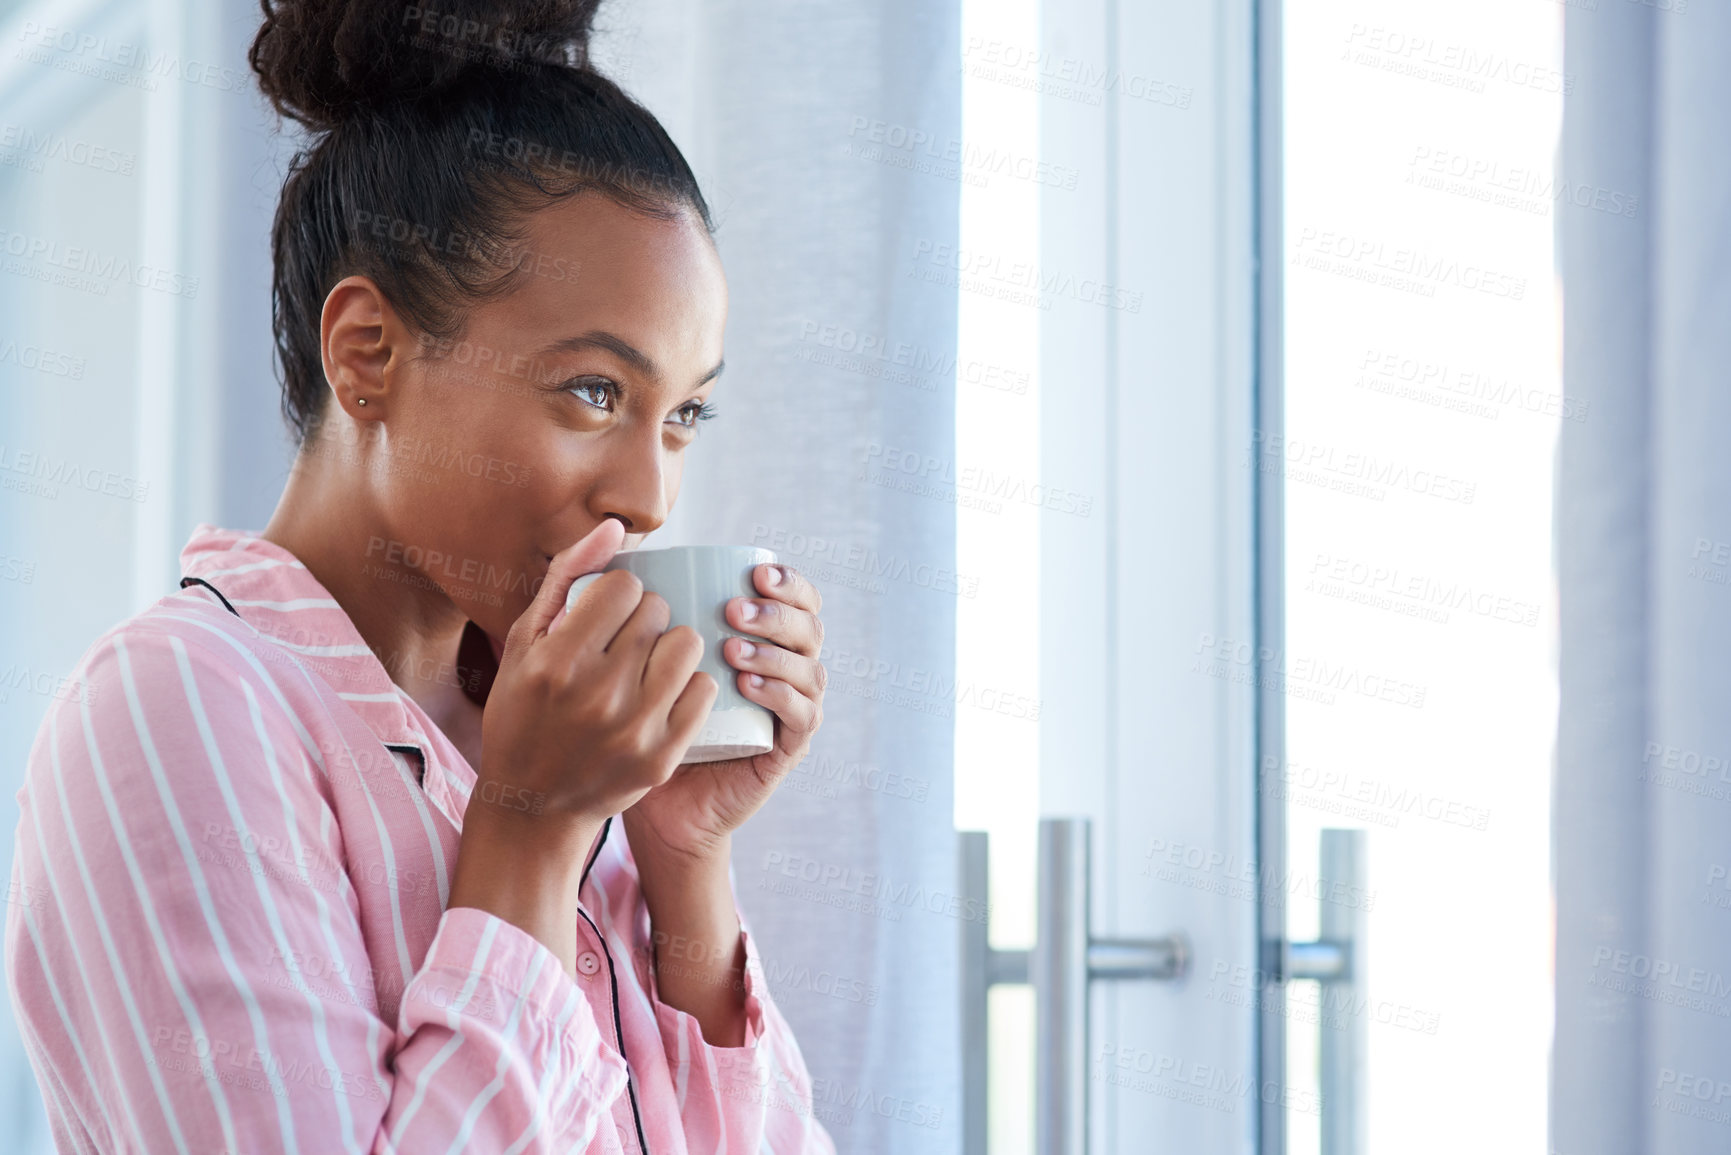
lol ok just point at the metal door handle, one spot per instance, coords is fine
(1066, 958)
(1338, 961)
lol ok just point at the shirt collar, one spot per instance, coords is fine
(269, 589)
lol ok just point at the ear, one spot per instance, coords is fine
(362, 342)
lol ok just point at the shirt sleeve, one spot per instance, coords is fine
(189, 971)
(754, 1097)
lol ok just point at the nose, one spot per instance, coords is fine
(632, 484)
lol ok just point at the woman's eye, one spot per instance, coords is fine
(601, 393)
(599, 384)
(689, 414)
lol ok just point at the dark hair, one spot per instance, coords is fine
(436, 130)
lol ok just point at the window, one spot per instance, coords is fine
(1423, 399)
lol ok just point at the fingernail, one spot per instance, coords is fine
(755, 680)
(775, 575)
(747, 611)
(746, 649)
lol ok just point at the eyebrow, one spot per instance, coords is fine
(626, 352)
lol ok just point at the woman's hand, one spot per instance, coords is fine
(590, 708)
(693, 813)
(588, 711)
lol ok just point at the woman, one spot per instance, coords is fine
(302, 892)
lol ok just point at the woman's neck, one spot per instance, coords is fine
(415, 630)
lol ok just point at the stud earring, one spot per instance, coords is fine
(360, 401)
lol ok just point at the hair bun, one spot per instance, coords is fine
(322, 61)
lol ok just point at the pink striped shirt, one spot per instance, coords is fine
(228, 930)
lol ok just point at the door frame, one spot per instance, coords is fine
(1152, 409)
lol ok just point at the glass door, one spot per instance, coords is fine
(1422, 402)
(1105, 392)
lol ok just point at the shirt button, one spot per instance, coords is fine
(588, 963)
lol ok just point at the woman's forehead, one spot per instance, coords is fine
(590, 266)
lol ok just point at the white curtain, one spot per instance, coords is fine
(1642, 1052)
(798, 118)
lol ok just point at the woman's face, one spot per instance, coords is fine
(572, 399)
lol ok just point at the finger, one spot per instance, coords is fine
(589, 553)
(672, 658)
(803, 673)
(690, 710)
(597, 614)
(634, 639)
(787, 626)
(799, 714)
(787, 584)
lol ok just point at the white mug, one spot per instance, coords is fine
(697, 581)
